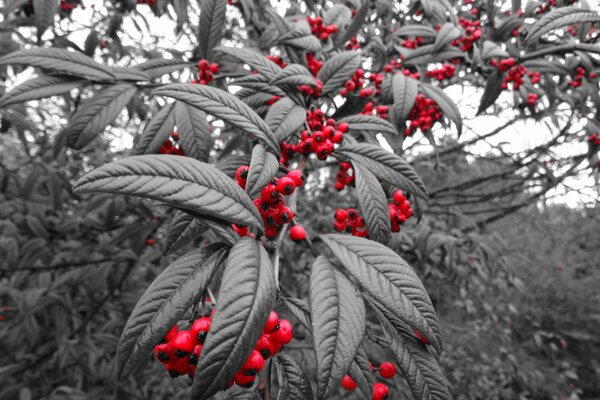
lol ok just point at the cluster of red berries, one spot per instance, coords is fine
(594, 139)
(151, 3)
(313, 65)
(273, 100)
(65, 6)
(534, 76)
(532, 98)
(353, 43)
(446, 72)
(424, 114)
(356, 83)
(504, 64)
(311, 91)
(376, 79)
(172, 146)
(321, 139)
(206, 71)
(472, 34)
(549, 4)
(271, 203)
(400, 211)
(580, 74)
(412, 43)
(181, 349)
(386, 370)
(343, 177)
(277, 60)
(381, 110)
(319, 29)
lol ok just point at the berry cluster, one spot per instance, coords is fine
(313, 65)
(172, 146)
(319, 29)
(594, 139)
(532, 98)
(321, 139)
(356, 83)
(386, 370)
(151, 3)
(376, 79)
(271, 202)
(206, 71)
(424, 114)
(65, 6)
(412, 44)
(311, 91)
(399, 212)
(446, 72)
(353, 44)
(277, 60)
(580, 74)
(472, 34)
(343, 177)
(181, 349)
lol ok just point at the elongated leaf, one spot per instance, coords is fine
(369, 123)
(10, 5)
(184, 228)
(294, 75)
(388, 279)
(254, 59)
(404, 90)
(222, 230)
(295, 379)
(39, 88)
(299, 309)
(157, 67)
(246, 297)
(557, 18)
(337, 70)
(338, 324)
(193, 130)
(355, 26)
(222, 105)
(178, 181)
(44, 12)
(60, 61)
(373, 203)
(445, 103)
(493, 88)
(419, 367)
(447, 33)
(96, 114)
(385, 165)
(157, 131)
(164, 303)
(337, 15)
(423, 31)
(285, 117)
(210, 29)
(263, 167)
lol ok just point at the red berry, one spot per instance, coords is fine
(272, 323)
(271, 232)
(150, 242)
(162, 351)
(183, 343)
(254, 363)
(341, 215)
(264, 346)
(171, 334)
(285, 332)
(380, 391)
(203, 65)
(297, 233)
(242, 173)
(343, 127)
(399, 197)
(348, 383)
(214, 68)
(200, 329)
(286, 186)
(244, 380)
(387, 370)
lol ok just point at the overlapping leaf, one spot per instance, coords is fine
(557, 18)
(404, 91)
(157, 67)
(493, 89)
(165, 301)
(44, 12)
(294, 75)
(183, 229)
(295, 380)
(246, 297)
(181, 182)
(447, 33)
(157, 131)
(355, 26)
(285, 117)
(373, 203)
(337, 70)
(39, 88)
(223, 105)
(368, 123)
(193, 130)
(254, 59)
(263, 167)
(338, 324)
(388, 279)
(210, 28)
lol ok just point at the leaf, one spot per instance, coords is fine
(184, 228)
(389, 280)
(493, 89)
(129, 74)
(404, 90)
(60, 61)
(230, 165)
(178, 181)
(193, 130)
(164, 303)
(337, 15)
(373, 203)
(263, 168)
(246, 298)
(369, 123)
(210, 28)
(157, 131)
(294, 75)
(308, 42)
(557, 18)
(39, 88)
(504, 31)
(491, 50)
(445, 103)
(355, 26)
(44, 12)
(360, 372)
(295, 379)
(385, 165)
(10, 5)
(222, 105)
(285, 117)
(158, 67)
(92, 117)
(423, 31)
(299, 309)
(447, 33)
(254, 59)
(419, 367)
(337, 70)
(338, 324)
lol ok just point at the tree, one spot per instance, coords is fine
(264, 133)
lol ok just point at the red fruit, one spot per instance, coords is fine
(162, 351)
(171, 334)
(271, 232)
(254, 364)
(387, 370)
(399, 197)
(348, 383)
(244, 380)
(285, 215)
(242, 173)
(286, 186)
(284, 333)
(240, 230)
(214, 68)
(421, 338)
(343, 127)
(192, 371)
(193, 358)
(203, 65)
(181, 366)
(269, 193)
(183, 344)
(380, 391)
(150, 242)
(200, 328)
(297, 233)
(337, 137)
(264, 346)
(272, 323)
(341, 215)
